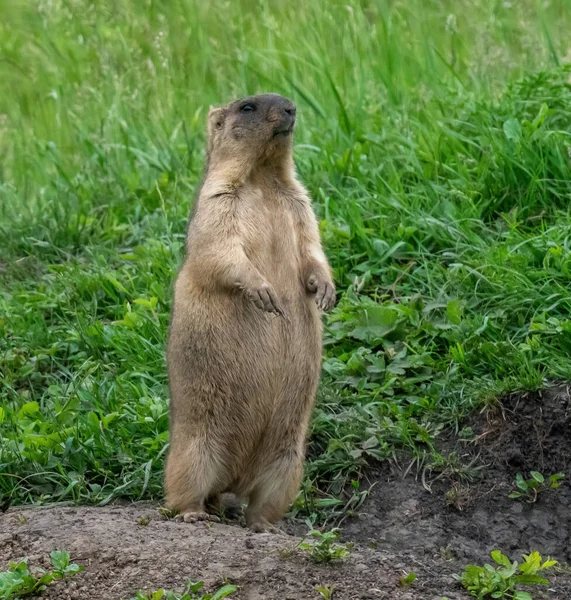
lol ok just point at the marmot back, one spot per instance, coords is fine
(244, 351)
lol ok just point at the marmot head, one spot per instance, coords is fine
(253, 128)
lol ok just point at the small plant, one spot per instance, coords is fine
(326, 591)
(167, 513)
(459, 496)
(529, 489)
(466, 433)
(20, 519)
(324, 548)
(500, 582)
(20, 581)
(407, 579)
(192, 591)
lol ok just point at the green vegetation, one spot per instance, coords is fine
(326, 591)
(435, 139)
(500, 582)
(324, 547)
(192, 591)
(407, 579)
(529, 489)
(19, 581)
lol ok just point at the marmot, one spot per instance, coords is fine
(245, 343)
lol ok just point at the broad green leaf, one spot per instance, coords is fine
(151, 303)
(59, 560)
(549, 563)
(554, 480)
(192, 586)
(29, 408)
(500, 558)
(512, 130)
(531, 580)
(374, 322)
(533, 559)
(334, 367)
(223, 592)
(454, 311)
(74, 568)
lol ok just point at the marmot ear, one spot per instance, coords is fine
(216, 118)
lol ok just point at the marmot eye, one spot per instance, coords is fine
(248, 108)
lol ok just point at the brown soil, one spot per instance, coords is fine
(432, 524)
(460, 509)
(120, 556)
(463, 504)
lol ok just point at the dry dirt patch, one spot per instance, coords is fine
(121, 556)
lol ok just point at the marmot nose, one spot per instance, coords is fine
(290, 110)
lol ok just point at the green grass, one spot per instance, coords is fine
(435, 139)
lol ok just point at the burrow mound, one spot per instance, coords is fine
(126, 548)
(461, 508)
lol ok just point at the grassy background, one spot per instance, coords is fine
(435, 138)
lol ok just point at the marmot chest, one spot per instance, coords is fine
(272, 242)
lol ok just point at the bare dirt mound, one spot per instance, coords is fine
(120, 556)
(461, 508)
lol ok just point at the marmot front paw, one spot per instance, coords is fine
(265, 298)
(324, 291)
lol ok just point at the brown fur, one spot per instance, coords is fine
(244, 351)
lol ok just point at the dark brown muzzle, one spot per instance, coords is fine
(283, 115)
